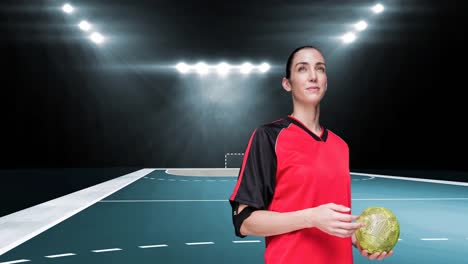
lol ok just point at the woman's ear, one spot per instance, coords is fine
(286, 84)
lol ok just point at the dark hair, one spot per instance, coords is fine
(291, 57)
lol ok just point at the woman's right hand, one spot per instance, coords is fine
(333, 219)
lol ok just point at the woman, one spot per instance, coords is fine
(294, 184)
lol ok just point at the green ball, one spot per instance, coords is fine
(381, 230)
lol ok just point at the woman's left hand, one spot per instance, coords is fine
(364, 253)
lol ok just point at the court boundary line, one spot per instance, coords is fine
(352, 173)
(32, 221)
(227, 200)
(411, 179)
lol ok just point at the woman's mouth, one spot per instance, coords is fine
(313, 88)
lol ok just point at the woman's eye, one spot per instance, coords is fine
(321, 69)
(302, 68)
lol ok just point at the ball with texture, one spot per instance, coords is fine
(381, 230)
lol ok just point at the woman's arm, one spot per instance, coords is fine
(329, 218)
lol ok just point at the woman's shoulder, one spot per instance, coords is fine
(271, 128)
(274, 125)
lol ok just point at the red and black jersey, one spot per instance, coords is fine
(286, 167)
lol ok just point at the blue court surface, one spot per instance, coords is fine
(164, 218)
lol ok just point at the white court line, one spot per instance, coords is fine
(183, 180)
(246, 241)
(158, 201)
(412, 179)
(15, 261)
(161, 179)
(171, 180)
(106, 250)
(226, 200)
(352, 173)
(199, 243)
(153, 246)
(211, 180)
(433, 239)
(61, 255)
(413, 199)
(30, 222)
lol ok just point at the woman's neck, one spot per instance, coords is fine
(309, 117)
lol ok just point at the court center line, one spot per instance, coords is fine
(15, 261)
(60, 255)
(153, 246)
(106, 250)
(199, 243)
(433, 239)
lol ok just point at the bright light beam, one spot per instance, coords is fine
(182, 67)
(361, 25)
(348, 37)
(264, 67)
(223, 68)
(246, 68)
(97, 38)
(378, 8)
(84, 25)
(67, 8)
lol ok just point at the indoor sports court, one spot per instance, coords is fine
(154, 131)
(152, 220)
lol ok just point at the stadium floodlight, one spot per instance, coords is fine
(264, 67)
(201, 68)
(361, 25)
(223, 68)
(84, 25)
(348, 37)
(67, 8)
(96, 38)
(182, 67)
(378, 8)
(246, 68)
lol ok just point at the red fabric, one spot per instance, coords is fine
(310, 173)
(287, 168)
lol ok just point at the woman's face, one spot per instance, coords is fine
(308, 80)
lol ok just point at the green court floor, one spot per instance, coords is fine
(165, 218)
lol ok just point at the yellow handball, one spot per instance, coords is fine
(381, 230)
